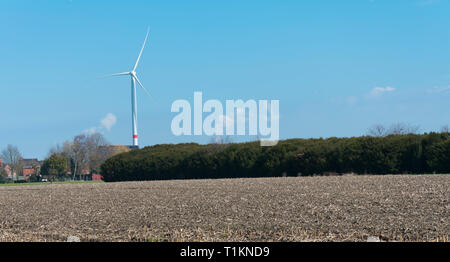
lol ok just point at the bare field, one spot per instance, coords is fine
(348, 208)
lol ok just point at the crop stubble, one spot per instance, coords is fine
(347, 208)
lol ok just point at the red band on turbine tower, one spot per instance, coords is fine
(134, 136)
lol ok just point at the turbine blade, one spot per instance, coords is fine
(142, 49)
(118, 74)
(139, 82)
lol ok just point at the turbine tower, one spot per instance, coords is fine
(135, 79)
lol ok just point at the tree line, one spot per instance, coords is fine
(70, 160)
(78, 157)
(382, 154)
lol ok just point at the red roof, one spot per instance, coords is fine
(97, 177)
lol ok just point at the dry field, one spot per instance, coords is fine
(348, 208)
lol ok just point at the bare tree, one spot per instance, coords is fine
(74, 152)
(95, 146)
(79, 153)
(3, 175)
(12, 157)
(221, 140)
(58, 149)
(219, 143)
(445, 129)
(86, 152)
(377, 130)
(402, 129)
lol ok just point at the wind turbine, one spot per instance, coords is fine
(134, 79)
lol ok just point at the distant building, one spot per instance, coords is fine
(7, 169)
(30, 166)
(111, 150)
(97, 177)
(3, 168)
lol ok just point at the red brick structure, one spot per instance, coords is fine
(97, 177)
(7, 169)
(30, 167)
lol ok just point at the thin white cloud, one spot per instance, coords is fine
(379, 91)
(106, 124)
(439, 90)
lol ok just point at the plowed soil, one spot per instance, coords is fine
(346, 208)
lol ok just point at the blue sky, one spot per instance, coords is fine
(337, 67)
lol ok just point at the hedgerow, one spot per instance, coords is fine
(394, 154)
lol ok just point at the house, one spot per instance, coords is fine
(97, 177)
(7, 169)
(30, 167)
(3, 171)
